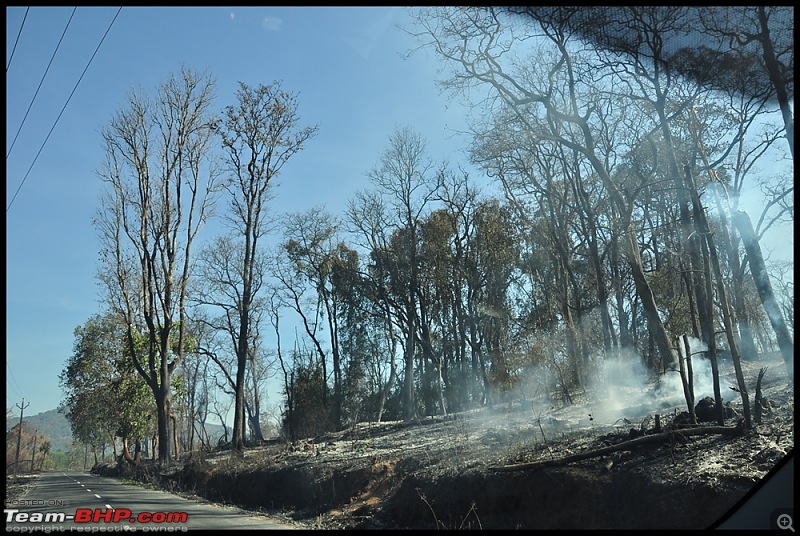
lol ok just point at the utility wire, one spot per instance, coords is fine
(16, 386)
(62, 110)
(41, 81)
(17, 40)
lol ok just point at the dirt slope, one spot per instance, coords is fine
(443, 472)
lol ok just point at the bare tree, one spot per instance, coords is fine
(259, 135)
(366, 218)
(551, 108)
(158, 198)
(754, 42)
(403, 177)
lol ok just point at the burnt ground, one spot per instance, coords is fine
(443, 472)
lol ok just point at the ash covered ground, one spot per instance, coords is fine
(442, 472)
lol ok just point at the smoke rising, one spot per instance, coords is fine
(626, 389)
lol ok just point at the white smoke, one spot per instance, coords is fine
(626, 389)
(620, 388)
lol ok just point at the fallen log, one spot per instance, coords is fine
(739, 429)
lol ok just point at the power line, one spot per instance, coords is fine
(16, 386)
(17, 40)
(62, 110)
(58, 45)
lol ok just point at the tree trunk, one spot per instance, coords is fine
(708, 311)
(727, 319)
(409, 400)
(687, 376)
(384, 395)
(645, 293)
(126, 453)
(164, 435)
(237, 441)
(254, 418)
(137, 450)
(174, 429)
(764, 286)
(625, 339)
(776, 77)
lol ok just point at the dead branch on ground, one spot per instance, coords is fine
(625, 445)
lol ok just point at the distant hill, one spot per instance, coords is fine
(56, 426)
(50, 423)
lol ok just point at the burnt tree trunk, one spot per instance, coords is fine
(764, 286)
(704, 229)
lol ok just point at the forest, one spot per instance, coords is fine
(617, 149)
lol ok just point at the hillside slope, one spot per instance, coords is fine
(50, 423)
(55, 425)
(454, 472)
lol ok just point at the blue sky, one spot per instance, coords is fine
(345, 64)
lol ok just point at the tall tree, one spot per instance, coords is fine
(310, 247)
(459, 287)
(158, 195)
(367, 220)
(259, 136)
(403, 176)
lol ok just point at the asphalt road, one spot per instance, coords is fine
(82, 502)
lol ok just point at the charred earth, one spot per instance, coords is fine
(532, 464)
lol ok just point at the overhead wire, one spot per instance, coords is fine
(58, 45)
(63, 108)
(16, 386)
(17, 40)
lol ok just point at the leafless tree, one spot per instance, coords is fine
(159, 188)
(754, 43)
(549, 104)
(403, 176)
(260, 133)
(366, 220)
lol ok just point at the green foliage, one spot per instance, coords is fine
(104, 396)
(309, 416)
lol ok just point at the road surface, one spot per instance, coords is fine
(82, 502)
